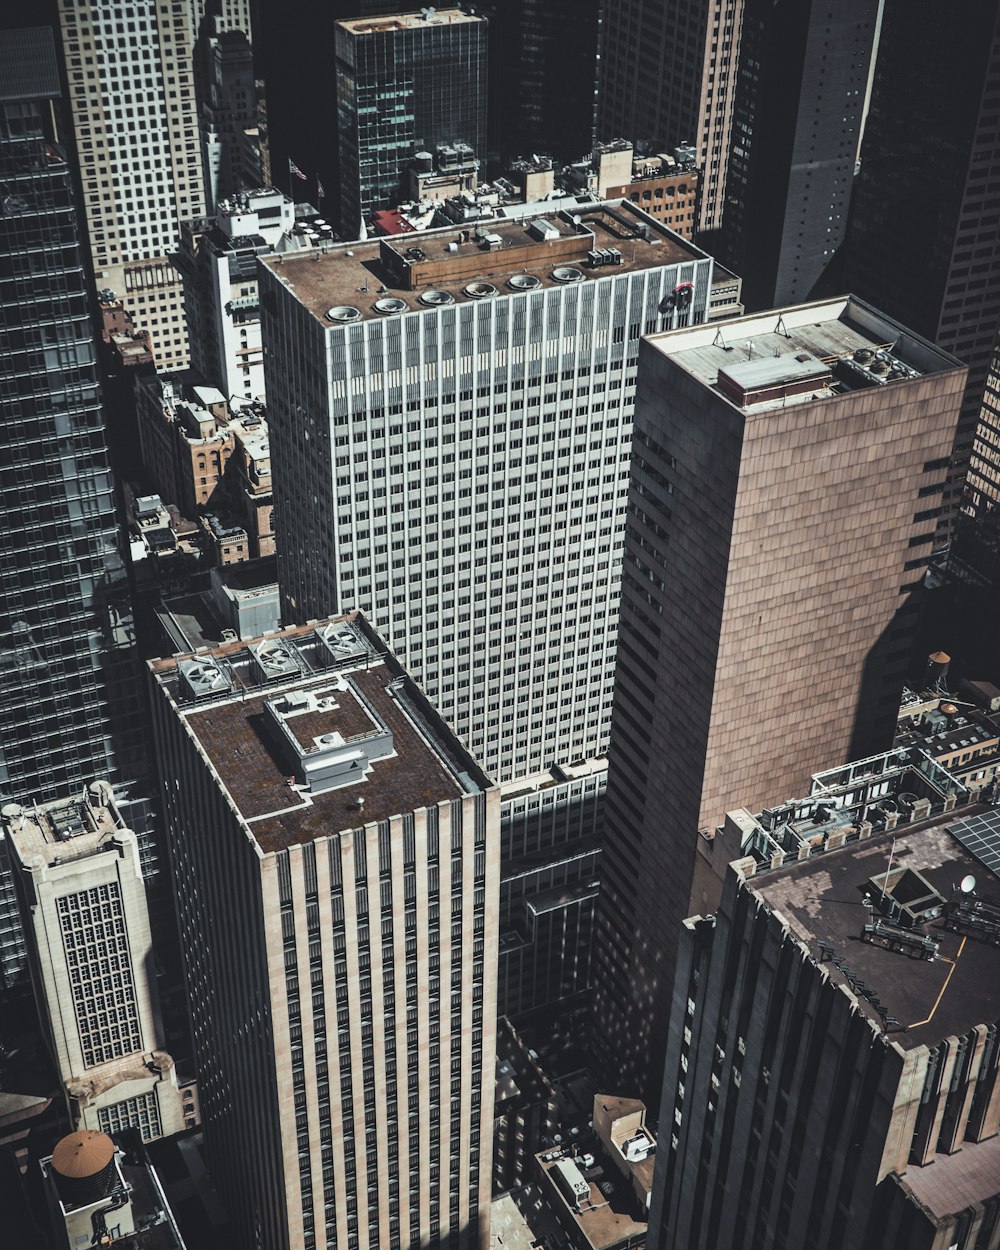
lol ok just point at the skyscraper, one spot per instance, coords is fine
(406, 84)
(798, 100)
(341, 953)
(786, 474)
(132, 95)
(930, 164)
(64, 616)
(770, 96)
(826, 1091)
(450, 429)
(668, 72)
(76, 869)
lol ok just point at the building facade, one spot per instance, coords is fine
(550, 838)
(405, 84)
(218, 258)
(76, 870)
(133, 96)
(668, 74)
(67, 702)
(824, 1091)
(933, 198)
(341, 926)
(482, 404)
(781, 514)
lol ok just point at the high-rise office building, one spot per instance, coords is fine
(668, 73)
(798, 100)
(770, 98)
(826, 1091)
(76, 869)
(450, 429)
(132, 94)
(406, 84)
(785, 479)
(341, 940)
(65, 619)
(930, 165)
(543, 63)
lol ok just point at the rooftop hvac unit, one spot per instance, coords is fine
(202, 677)
(275, 660)
(342, 642)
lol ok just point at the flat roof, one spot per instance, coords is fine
(604, 1222)
(767, 348)
(352, 701)
(821, 899)
(60, 832)
(408, 21)
(356, 275)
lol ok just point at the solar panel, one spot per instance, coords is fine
(980, 835)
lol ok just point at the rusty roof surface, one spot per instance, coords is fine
(247, 755)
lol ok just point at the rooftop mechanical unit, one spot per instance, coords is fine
(275, 660)
(343, 642)
(203, 678)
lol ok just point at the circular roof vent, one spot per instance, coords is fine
(343, 312)
(567, 273)
(436, 298)
(390, 305)
(524, 282)
(480, 290)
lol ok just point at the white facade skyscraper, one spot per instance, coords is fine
(451, 424)
(132, 95)
(75, 868)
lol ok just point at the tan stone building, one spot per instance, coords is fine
(77, 875)
(787, 471)
(336, 859)
(135, 117)
(655, 183)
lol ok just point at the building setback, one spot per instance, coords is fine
(335, 854)
(450, 437)
(826, 1091)
(405, 84)
(77, 873)
(784, 478)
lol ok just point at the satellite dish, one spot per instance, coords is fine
(968, 884)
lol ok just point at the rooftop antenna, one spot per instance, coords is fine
(719, 341)
(781, 328)
(749, 349)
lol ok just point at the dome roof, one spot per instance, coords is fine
(83, 1154)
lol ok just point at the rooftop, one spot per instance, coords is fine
(530, 249)
(408, 21)
(606, 1221)
(65, 831)
(313, 730)
(823, 901)
(812, 351)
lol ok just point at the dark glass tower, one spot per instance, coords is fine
(67, 707)
(404, 85)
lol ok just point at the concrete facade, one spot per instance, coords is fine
(775, 550)
(336, 858)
